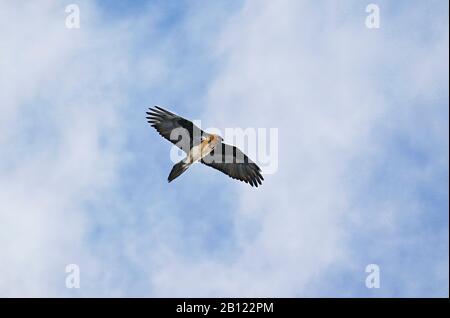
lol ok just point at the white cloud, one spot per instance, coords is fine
(58, 103)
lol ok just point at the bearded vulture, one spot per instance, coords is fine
(203, 147)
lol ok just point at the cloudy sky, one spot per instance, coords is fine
(362, 154)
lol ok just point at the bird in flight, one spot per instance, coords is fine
(203, 147)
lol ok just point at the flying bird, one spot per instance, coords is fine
(200, 146)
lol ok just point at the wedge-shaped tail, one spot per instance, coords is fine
(177, 170)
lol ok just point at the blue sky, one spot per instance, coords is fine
(363, 150)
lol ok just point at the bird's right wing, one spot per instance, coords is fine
(178, 130)
(234, 163)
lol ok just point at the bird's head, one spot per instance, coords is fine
(212, 139)
(215, 139)
(219, 138)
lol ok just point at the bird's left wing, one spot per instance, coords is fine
(178, 130)
(234, 163)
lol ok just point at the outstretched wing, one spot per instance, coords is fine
(233, 162)
(179, 131)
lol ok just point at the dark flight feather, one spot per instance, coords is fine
(234, 163)
(178, 130)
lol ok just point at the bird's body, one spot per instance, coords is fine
(203, 147)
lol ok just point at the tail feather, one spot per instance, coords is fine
(177, 170)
